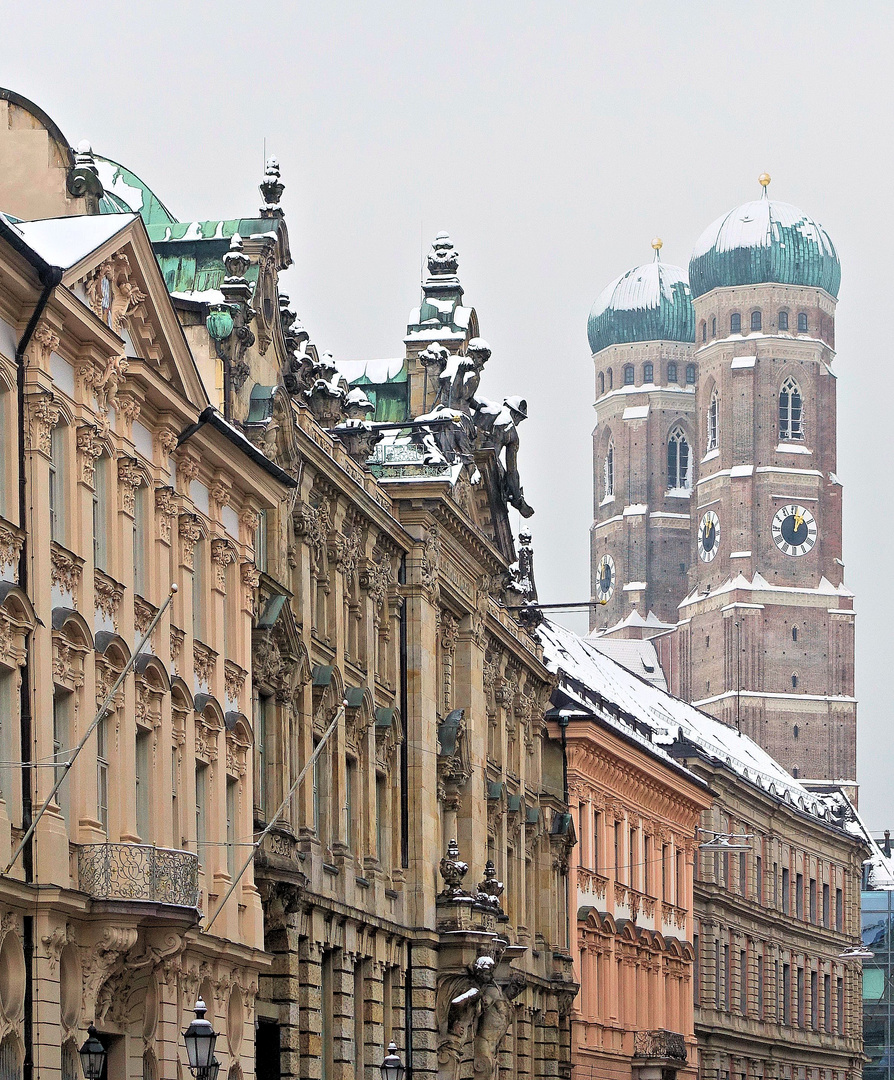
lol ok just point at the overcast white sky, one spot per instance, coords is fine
(553, 140)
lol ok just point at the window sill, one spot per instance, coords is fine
(711, 455)
(792, 448)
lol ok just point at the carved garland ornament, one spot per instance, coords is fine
(43, 416)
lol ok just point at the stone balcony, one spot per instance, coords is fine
(658, 1054)
(139, 872)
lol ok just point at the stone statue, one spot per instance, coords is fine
(479, 1009)
(500, 431)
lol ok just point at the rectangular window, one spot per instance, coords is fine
(814, 1000)
(826, 904)
(664, 852)
(100, 512)
(61, 748)
(647, 868)
(261, 710)
(760, 986)
(800, 974)
(631, 860)
(786, 891)
(775, 902)
(350, 785)
(57, 484)
(812, 899)
(839, 1004)
(232, 834)
(597, 843)
(799, 896)
(827, 1002)
(261, 542)
(743, 982)
(718, 977)
(679, 881)
(839, 910)
(696, 969)
(139, 540)
(743, 874)
(381, 810)
(201, 810)
(102, 773)
(143, 784)
(786, 994)
(759, 880)
(726, 978)
(199, 599)
(617, 850)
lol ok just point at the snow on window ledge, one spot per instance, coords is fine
(792, 448)
(608, 499)
(711, 454)
(678, 493)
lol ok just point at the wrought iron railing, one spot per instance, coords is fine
(666, 1045)
(139, 872)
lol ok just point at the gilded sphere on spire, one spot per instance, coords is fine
(657, 243)
(764, 179)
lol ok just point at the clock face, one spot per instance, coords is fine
(794, 529)
(605, 579)
(708, 536)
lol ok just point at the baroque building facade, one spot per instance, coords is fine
(348, 590)
(750, 613)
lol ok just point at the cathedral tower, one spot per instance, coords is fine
(641, 333)
(765, 639)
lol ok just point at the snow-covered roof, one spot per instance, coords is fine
(760, 584)
(371, 371)
(648, 303)
(601, 686)
(65, 241)
(636, 654)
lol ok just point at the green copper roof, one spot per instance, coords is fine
(125, 191)
(648, 303)
(764, 241)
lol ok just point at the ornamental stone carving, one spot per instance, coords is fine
(43, 416)
(90, 449)
(223, 555)
(431, 561)
(204, 660)
(10, 547)
(65, 570)
(108, 595)
(44, 342)
(313, 523)
(190, 534)
(103, 379)
(220, 491)
(130, 477)
(167, 506)
(452, 869)
(234, 680)
(112, 293)
(375, 578)
(187, 470)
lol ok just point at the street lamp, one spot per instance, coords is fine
(392, 1068)
(92, 1055)
(856, 952)
(729, 842)
(200, 1038)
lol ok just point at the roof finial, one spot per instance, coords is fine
(764, 181)
(657, 244)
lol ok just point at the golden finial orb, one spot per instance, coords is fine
(764, 179)
(657, 243)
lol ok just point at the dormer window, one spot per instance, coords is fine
(629, 375)
(783, 320)
(802, 322)
(755, 320)
(735, 323)
(648, 373)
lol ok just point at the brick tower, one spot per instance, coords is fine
(765, 638)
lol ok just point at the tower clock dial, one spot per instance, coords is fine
(605, 579)
(794, 529)
(708, 536)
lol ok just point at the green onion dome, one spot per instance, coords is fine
(764, 241)
(649, 303)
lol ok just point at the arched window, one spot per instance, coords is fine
(601, 382)
(791, 411)
(672, 372)
(628, 375)
(783, 320)
(102, 487)
(611, 379)
(648, 373)
(713, 411)
(714, 327)
(802, 322)
(690, 374)
(704, 330)
(679, 461)
(794, 681)
(794, 633)
(735, 323)
(608, 471)
(57, 483)
(755, 320)
(796, 731)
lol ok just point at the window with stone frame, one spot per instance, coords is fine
(601, 382)
(672, 372)
(690, 374)
(679, 461)
(791, 411)
(735, 323)
(608, 471)
(712, 421)
(783, 320)
(756, 320)
(648, 373)
(802, 322)
(57, 478)
(629, 375)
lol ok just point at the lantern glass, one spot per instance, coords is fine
(92, 1055)
(200, 1038)
(392, 1068)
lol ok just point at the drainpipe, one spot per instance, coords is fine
(50, 276)
(404, 747)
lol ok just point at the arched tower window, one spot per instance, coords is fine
(791, 411)
(611, 379)
(755, 320)
(628, 375)
(672, 372)
(714, 327)
(679, 461)
(648, 373)
(783, 320)
(704, 330)
(802, 322)
(690, 374)
(794, 633)
(608, 471)
(735, 323)
(794, 681)
(601, 382)
(713, 427)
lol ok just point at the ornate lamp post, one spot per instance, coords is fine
(200, 1038)
(92, 1055)
(392, 1068)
